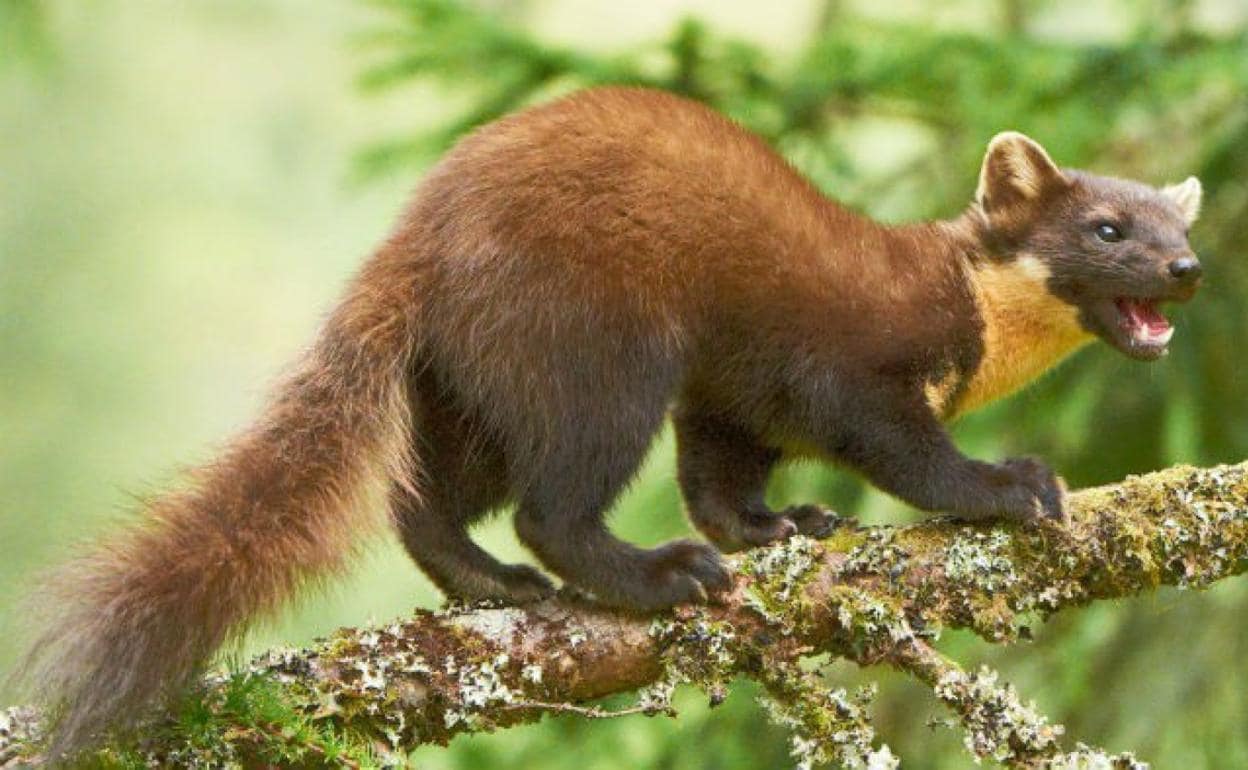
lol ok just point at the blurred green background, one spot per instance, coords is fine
(185, 186)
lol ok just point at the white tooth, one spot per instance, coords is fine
(1144, 335)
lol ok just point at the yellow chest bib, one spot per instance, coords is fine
(1027, 331)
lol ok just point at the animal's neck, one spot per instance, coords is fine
(1027, 330)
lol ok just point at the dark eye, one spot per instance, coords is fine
(1108, 233)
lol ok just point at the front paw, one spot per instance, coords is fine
(813, 520)
(1041, 494)
(684, 572)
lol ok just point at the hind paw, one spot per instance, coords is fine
(523, 584)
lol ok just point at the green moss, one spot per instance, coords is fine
(243, 720)
(778, 574)
(20, 733)
(1089, 758)
(697, 650)
(826, 725)
(998, 725)
(878, 553)
(880, 592)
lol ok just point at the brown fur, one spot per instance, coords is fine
(135, 616)
(561, 278)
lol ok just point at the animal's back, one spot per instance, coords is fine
(630, 188)
(617, 218)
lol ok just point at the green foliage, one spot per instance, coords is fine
(23, 35)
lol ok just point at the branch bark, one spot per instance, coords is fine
(874, 595)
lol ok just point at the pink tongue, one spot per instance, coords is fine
(1144, 314)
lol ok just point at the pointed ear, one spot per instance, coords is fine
(1186, 195)
(1016, 169)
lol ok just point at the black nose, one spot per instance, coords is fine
(1185, 268)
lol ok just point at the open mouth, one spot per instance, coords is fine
(1131, 321)
(1141, 329)
(1143, 322)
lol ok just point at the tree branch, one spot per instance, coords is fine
(874, 595)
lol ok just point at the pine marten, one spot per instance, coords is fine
(564, 276)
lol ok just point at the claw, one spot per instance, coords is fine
(812, 520)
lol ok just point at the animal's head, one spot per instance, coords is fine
(1111, 248)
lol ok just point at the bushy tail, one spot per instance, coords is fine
(137, 616)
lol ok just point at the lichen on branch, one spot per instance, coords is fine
(872, 595)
